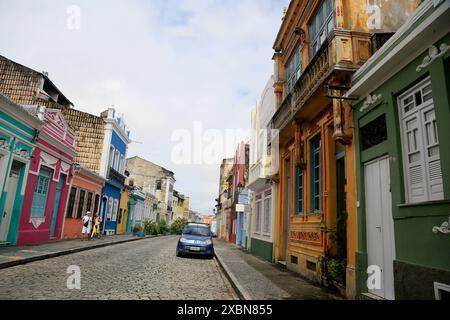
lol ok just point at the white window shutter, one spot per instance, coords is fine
(414, 159)
(432, 155)
(420, 145)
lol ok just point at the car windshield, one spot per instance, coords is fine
(197, 230)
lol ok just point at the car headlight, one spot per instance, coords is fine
(183, 240)
(207, 242)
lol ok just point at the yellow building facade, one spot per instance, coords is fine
(320, 44)
(123, 211)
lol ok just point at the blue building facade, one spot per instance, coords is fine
(115, 145)
(136, 208)
(242, 209)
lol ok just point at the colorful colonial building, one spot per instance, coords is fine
(136, 207)
(85, 194)
(319, 46)
(238, 194)
(261, 170)
(156, 180)
(124, 207)
(223, 205)
(18, 134)
(49, 179)
(401, 119)
(102, 143)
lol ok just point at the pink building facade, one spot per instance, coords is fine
(49, 180)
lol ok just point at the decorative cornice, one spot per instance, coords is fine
(370, 101)
(433, 54)
(444, 228)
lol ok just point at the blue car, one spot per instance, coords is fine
(196, 239)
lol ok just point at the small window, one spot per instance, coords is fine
(294, 260)
(158, 185)
(310, 265)
(373, 133)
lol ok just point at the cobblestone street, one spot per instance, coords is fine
(146, 269)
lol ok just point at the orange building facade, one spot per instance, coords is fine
(320, 44)
(85, 195)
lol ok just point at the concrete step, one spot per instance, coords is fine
(282, 264)
(370, 296)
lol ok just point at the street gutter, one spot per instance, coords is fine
(13, 263)
(238, 287)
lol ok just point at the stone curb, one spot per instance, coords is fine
(9, 264)
(238, 287)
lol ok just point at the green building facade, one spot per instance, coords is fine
(18, 133)
(402, 122)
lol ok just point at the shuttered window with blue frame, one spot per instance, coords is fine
(41, 193)
(316, 175)
(298, 191)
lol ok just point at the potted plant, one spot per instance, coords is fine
(138, 231)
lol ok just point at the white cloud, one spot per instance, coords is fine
(164, 64)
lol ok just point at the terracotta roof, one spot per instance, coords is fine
(23, 85)
(90, 132)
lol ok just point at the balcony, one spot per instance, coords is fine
(343, 52)
(260, 172)
(116, 175)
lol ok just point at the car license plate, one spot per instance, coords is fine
(194, 248)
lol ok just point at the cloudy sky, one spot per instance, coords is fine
(168, 65)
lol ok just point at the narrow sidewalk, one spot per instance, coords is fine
(256, 279)
(15, 255)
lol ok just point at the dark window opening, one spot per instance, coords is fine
(311, 265)
(294, 259)
(373, 133)
(71, 204)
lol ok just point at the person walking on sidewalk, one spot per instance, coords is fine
(86, 226)
(96, 227)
